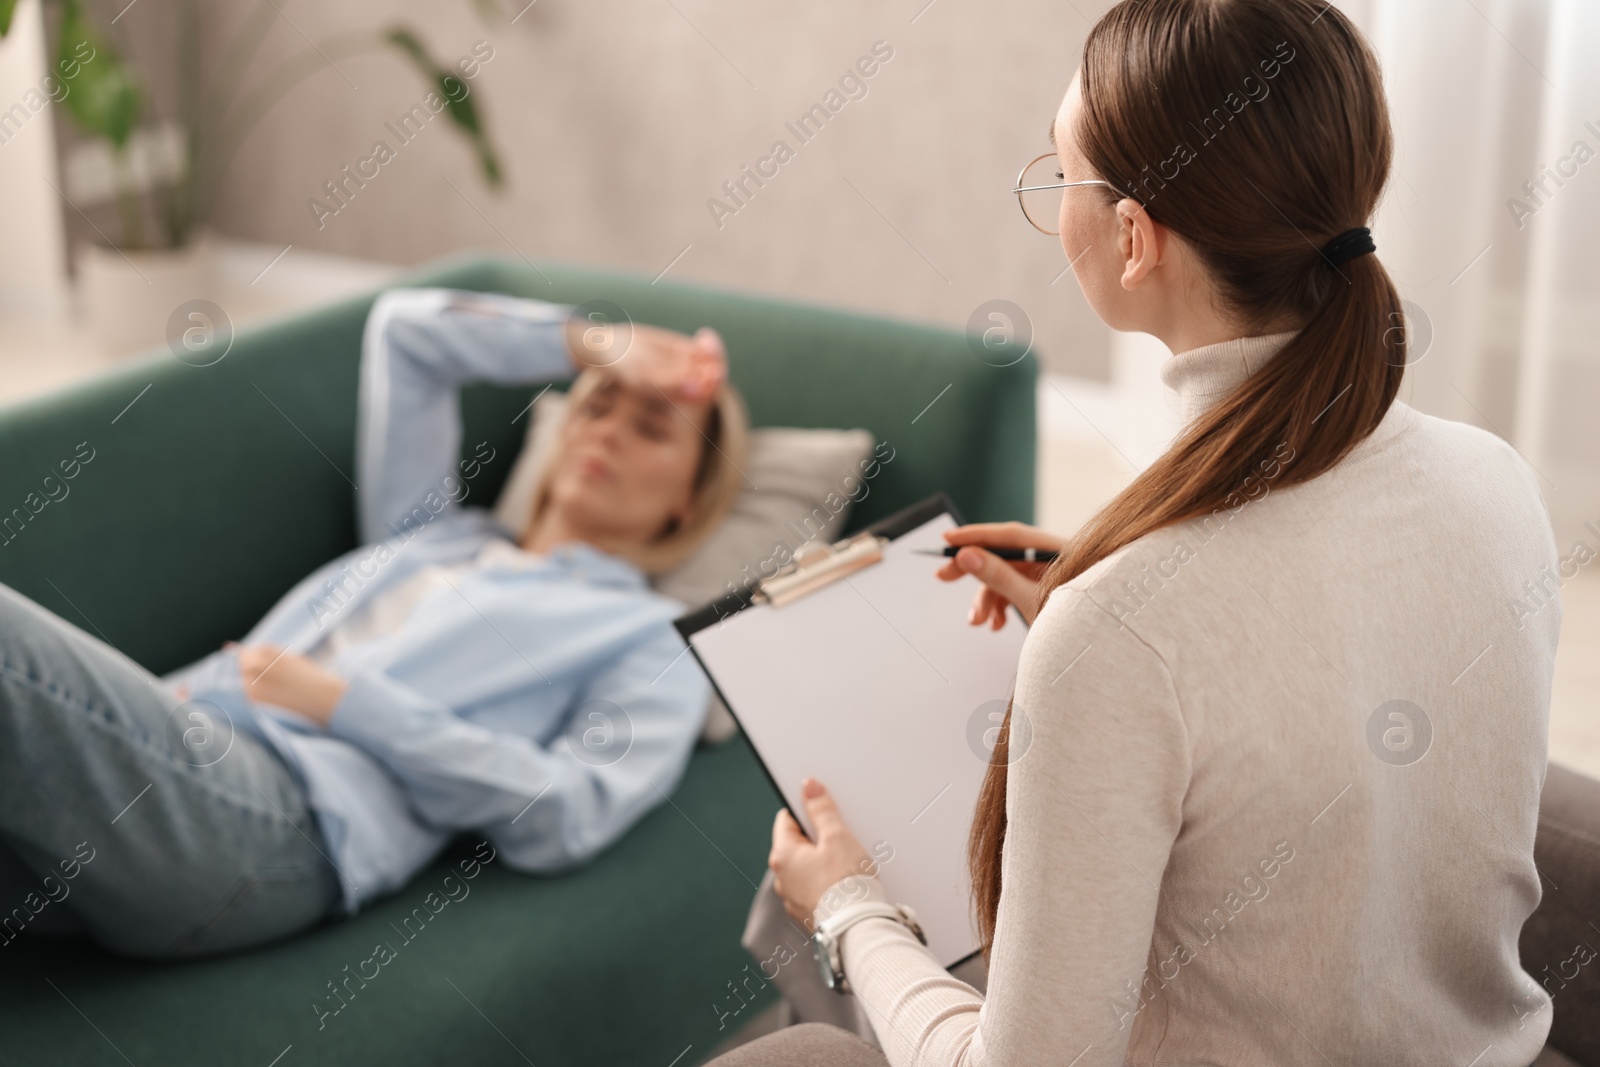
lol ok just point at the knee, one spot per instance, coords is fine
(13, 603)
(804, 1045)
(21, 615)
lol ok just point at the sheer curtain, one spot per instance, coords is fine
(1492, 222)
(1558, 424)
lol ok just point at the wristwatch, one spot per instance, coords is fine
(825, 943)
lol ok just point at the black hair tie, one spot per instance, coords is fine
(1348, 245)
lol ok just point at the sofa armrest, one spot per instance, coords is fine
(1564, 931)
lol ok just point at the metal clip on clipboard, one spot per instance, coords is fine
(819, 565)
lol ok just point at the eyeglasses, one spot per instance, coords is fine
(1039, 195)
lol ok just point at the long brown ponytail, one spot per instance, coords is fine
(1257, 131)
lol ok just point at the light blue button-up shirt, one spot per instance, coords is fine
(544, 703)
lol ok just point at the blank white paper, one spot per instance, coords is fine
(877, 686)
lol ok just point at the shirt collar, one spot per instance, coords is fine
(1202, 376)
(582, 561)
(580, 558)
(592, 565)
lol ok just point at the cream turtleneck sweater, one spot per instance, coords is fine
(1280, 799)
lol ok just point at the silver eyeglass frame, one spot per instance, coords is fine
(1020, 189)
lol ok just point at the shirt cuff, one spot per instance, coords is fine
(376, 708)
(851, 889)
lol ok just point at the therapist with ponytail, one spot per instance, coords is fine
(1285, 737)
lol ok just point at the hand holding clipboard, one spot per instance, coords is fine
(855, 669)
(1007, 558)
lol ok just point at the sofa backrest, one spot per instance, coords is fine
(188, 513)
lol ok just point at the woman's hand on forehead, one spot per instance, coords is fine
(652, 358)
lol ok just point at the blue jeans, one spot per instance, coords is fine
(132, 817)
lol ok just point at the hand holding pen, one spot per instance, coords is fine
(1005, 582)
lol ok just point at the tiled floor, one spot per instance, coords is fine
(1078, 472)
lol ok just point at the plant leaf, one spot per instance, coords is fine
(7, 9)
(106, 99)
(458, 101)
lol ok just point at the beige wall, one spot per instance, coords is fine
(32, 257)
(619, 119)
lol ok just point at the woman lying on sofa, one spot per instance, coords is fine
(440, 679)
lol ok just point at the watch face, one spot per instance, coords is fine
(819, 949)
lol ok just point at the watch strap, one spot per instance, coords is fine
(847, 916)
(831, 929)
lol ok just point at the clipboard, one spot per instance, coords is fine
(856, 666)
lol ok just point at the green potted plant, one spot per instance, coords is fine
(159, 255)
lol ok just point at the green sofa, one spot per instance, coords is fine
(222, 485)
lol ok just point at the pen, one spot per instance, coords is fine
(1020, 555)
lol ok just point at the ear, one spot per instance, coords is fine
(1141, 240)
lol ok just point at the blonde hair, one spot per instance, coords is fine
(716, 479)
